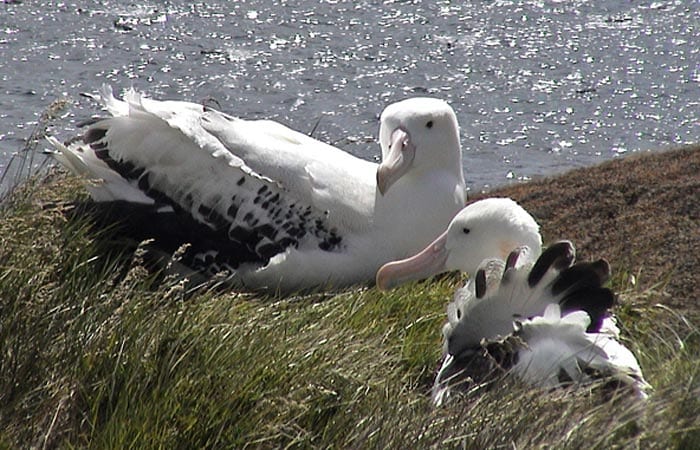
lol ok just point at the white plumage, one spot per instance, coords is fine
(538, 315)
(485, 229)
(278, 209)
(553, 343)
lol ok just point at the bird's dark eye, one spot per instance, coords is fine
(429, 124)
(466, 230)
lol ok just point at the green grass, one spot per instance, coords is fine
(94, 353)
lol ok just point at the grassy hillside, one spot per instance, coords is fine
(94, 353)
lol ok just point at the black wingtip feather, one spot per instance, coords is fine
(210, 101)
(480, 281)
(580, 275)
(580, 284)
(89, 122)
(582, 288)
(94, 134)
(512, 258)
(596, 301)
(559, 255)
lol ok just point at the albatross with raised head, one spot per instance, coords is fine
(537, 314)
(278, 210)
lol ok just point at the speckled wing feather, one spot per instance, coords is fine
(555, 350)
(503, 295)
(156, 153)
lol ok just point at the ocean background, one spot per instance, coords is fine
(539, 87)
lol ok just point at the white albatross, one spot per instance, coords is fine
(279, 210)
(539, 315)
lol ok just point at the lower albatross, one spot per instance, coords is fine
(276, 209)
(537, 314)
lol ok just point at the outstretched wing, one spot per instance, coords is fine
(322, 175)
(502, 292)
(158, 154)
(556, 350)
(504, 296)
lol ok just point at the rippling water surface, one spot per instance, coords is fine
(538, 86)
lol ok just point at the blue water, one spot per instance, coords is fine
(538, 86)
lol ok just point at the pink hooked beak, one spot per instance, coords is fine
(430, 261)
(397, 161)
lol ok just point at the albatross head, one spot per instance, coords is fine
(489, 228)
(418, 133)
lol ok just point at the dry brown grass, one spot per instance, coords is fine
(94, 354)
(642, 213)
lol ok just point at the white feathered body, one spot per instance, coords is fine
(557, 348)
(312, 210)
(501, 318)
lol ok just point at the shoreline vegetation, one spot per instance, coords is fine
(96, 354)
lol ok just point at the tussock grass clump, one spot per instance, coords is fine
(97, 352)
